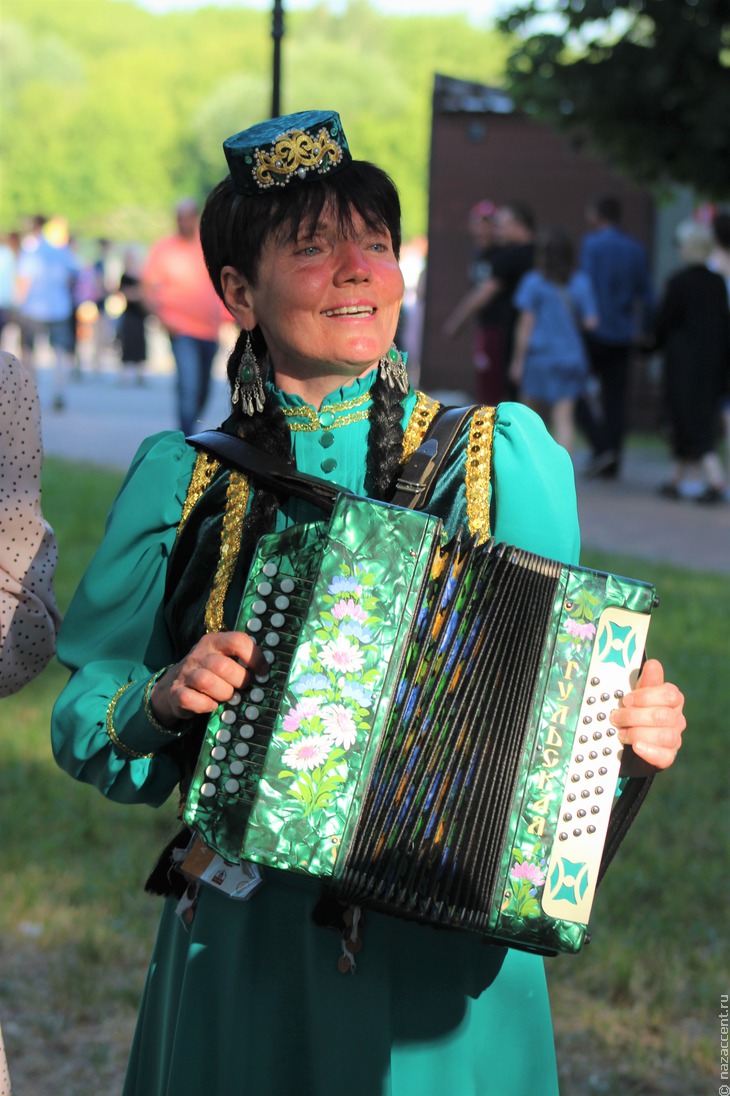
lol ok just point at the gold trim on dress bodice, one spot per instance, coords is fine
(478, 473)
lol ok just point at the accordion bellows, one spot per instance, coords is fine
(433, 738)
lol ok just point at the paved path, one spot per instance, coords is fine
(104, 422)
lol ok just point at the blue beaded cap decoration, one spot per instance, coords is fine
(288, 150)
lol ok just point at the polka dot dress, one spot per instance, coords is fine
(4, 1077)
(28, 614)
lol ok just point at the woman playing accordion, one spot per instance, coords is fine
(302, 244)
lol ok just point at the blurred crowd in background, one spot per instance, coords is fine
(555, 324)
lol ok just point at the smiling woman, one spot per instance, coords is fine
(302, 242)
(326, 303)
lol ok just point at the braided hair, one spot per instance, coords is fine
(233, 231)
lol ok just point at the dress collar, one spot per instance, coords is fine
(349, 403)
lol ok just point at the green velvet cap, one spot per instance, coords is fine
(285, 151)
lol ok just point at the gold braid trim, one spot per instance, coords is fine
(151, 717)
(311, 416)
(479, 472)
(422, 417)
(233, 518)
(113, 736)
(237, 500)
(205, 468)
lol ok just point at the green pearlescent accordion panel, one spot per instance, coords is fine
(597, 637)
(339, 686)
(219, 801)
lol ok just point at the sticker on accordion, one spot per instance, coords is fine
(571, 876)
(203, 865)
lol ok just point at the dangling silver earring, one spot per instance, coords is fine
(392, 369)
(249, 388)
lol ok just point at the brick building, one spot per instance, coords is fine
(482, 147)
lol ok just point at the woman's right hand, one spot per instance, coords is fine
(219, 664)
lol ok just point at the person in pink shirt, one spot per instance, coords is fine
(177, 289)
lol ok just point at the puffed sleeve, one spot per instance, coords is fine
(534, 503)
(28, 615)
(114, 638)
(508, 479)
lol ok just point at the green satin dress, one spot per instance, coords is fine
(249, 999)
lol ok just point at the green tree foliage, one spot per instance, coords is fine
(112, 113)
(647, 81)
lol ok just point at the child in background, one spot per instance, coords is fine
(549, 362)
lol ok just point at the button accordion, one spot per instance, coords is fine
(433, 737)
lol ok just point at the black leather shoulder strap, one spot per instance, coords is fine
(268, 469)
(420, 473)
(417, 480)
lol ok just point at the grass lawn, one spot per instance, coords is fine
(635, 1012)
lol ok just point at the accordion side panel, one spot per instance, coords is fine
(223, 787)
(340, 684)
(568, 781)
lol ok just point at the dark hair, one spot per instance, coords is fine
(555, 255)
(234, 229)
(522, 214)
(233, 232)
(721, 229)
(608, 208)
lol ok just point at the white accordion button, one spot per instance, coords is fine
(271, 639)
(236, 768)
(259, 608)
(241, 749)
(223, 735)
(278, 620)
(286, 586)
(218, 753)
(254, 625)
(231, 786)
(264, 588)
(282, 602)
(208, 790)
(251, 712)
(256, 695)
(228, 716)
(213, 772)
(246, 730)
(270, 569)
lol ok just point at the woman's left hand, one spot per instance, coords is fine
(650, 718)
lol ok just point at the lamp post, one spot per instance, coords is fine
(277, 33)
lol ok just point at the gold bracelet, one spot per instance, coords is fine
(148, 705)
(113, 736)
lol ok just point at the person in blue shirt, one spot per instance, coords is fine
(549, 361)
(618, 267)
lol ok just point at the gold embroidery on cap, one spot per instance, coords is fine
(295, 153)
